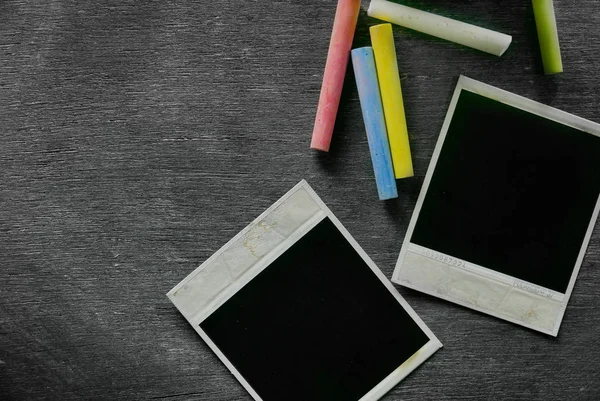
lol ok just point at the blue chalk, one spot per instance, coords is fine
(372, 109)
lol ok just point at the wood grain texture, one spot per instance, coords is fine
(138, 137)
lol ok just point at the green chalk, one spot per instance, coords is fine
(548, 36)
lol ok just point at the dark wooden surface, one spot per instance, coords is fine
(138, 137)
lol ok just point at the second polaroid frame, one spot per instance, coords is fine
(477, 287)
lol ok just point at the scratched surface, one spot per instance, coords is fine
(139, 137)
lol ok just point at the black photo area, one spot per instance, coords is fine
(316, 324)
(512, 191)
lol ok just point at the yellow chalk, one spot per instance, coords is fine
(382, 41)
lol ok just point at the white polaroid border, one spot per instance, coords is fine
(256, 247)
(477, 287)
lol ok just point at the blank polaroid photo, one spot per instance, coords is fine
(507, 208)
(296, 310)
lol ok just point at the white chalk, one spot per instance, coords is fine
(445, 28)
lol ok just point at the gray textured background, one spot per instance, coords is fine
(138, 137)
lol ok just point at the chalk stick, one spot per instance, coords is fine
(445, 28)
(365, 73)
(382, 40)
(545, 21)
(342, 35)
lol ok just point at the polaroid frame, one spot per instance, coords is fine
(477, 287)
(253, 249)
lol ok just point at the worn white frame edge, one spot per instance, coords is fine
(485, 274)
(376, 392)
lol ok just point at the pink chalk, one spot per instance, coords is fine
(342, 35)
